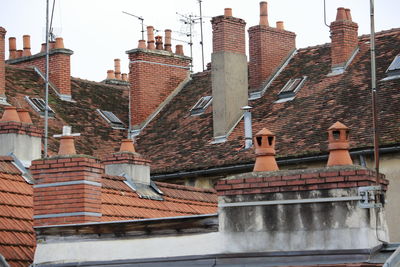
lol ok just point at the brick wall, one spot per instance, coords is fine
(344, 36)
(2, 58)
(151, 83)
(268, 49)
(20, 128)
(75, 201)
(330, 178)
(59, 66)
(228, 34)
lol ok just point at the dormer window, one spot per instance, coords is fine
(201, 105)
(290, 89)
(113, 120)
(38, 104)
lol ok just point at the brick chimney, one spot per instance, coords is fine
(128, 162)
(3, 99)
(59, 63)
(154, 75)
(344, 35)
(67, 188)
(228, 73)
(269, 48)
(19, 136)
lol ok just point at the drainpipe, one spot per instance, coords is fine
(248, 131)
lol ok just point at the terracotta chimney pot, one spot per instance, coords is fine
(159, 43)
(52, 45)
(228, 12)
(264, 14)
(27, 45)
(125, 77)
(10, 114)
(127, 146)
(12, 44)
(67, 146)
(20, 52)
(110, 75)
(348, 14)
(341, 14)
(43, 48)
(150, 38)
(179, 50)
(264, 142)
(59, 43)
(280, 25)
(117, 67)
(168, 45)
(338, 138)
(23, 115)
(142, 44)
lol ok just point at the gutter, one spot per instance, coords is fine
(248, 167)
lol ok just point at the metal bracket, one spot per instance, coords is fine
(371, 197)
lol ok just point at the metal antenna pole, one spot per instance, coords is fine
(201, 33)
(374, 92)
(46, 110)
(191, 41)
(141, 21)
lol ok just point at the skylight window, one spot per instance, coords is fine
(290, 89)
(113, 120)
(38, 104)
(394, 68)
(201, 105)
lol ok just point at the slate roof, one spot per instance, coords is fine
(17, 238)
(120, 202)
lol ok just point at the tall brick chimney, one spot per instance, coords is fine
(154, 75)
(3, 99)
(19, 136)
(269, 48)
(67, 188)
(344, 35)
(59, 64)
(228, 73)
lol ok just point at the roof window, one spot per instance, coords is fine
(290, 89)
(113, 120)
(201, 105)
(394, 68)
(38, 104)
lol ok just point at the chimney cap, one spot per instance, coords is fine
(228, 12)
(265, 132)
(338, 126)
(246, 108)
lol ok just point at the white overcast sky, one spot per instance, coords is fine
(97, 30)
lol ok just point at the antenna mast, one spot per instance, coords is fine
(201, 33)
(139, 18)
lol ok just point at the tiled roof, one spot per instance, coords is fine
(120, 202)
(17, 238)
(183, 141)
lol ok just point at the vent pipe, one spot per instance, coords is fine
(248, 131)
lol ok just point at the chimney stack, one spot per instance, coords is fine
(150, 38)
(27, 46)
(228, 72)
(269, 48)
(344, 36)
(2, 66)
(167, 45)
(12, 45)
(117, 66)
(339, 144)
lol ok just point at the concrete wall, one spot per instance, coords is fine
(229, 90)
(136, 173)
(25, 147)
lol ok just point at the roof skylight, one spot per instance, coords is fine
(38, 104)
(111, 119)
(201, 105)
(395, 66)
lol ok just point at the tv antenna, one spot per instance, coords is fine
(139, 18)
(201, 34)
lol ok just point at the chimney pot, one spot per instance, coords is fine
(10, 114)
(52, 45)
(59, 43)
(264, 142)
(341, 14)
(339, 144)
(280, 25)
(348, 14)
(142, 44)
(23, 115)
(179, 50)
(228, 12)
(150, 38)
(27, 45)
(67, 145)
(20, 53)
(12, 44)
(159, 43)
(127, 146)
(167, 45)
(264, 13)
(110, 75)
(125, 77)
(43, 48)
(117, 67)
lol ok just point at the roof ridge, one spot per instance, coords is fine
(6, 158)
(99, 83)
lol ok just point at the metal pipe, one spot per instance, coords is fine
(201, 35)
(46, 111)
(248, 131)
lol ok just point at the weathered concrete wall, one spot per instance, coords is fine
(229, 90)
(25, 147)
(137, 173)
(332, 225)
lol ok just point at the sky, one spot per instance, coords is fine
(98, 31)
